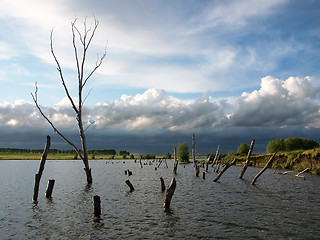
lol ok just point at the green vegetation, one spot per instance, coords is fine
(291, 144)
(183, 152)
(243, 148)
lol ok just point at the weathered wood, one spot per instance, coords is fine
(169, 194)
(269, 163)
(216, 156)
(96, 206)
(161, 160)
(41, 168)
(49, 189)
(247, 160)
(225, 169)
(165, 161)
(140, 163)
(217, 168)
(196, 170)
(130, 185)
(175, 166)
(194, 149)
(163, 187)
(307, 169)
(208, 162)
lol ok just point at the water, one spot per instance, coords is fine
(277, 207)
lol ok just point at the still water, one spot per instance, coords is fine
(277, 207)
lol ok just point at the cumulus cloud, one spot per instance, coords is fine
(278, 103)
(156, 109)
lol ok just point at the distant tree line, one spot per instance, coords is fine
(58, 151)
(291, 144)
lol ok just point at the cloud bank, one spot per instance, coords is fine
(278, 103)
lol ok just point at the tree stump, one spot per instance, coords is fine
(169, 194)
(41, 168)
(96, 207)
(203, 175)
(130, 185)
(247, 161)
(269, 163)
(163, 187)
(225, 169)
(50, 188)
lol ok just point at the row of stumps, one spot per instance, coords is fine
(166, 204)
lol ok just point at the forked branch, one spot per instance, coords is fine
(35, 99)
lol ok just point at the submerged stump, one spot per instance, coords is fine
(50, 188)
(169, 194)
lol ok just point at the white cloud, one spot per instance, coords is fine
(278, 103)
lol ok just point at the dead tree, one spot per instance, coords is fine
(169, 194)
(208, 162)
(194, 150)
(84, 40)
(216, 156)
(175, 166)
(247, 161)
(41, 168)
(225, 169)
(269, 163)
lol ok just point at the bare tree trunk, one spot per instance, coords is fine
(175, 166)
(225, 169)
(84, 40)
(194, 150)
(269, 163)
(41, 168)
(169, 194)
(247, 161)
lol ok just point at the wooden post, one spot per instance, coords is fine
(50, 188)
(163, 187)
(194, 150)
(225, 169)
(130, 185)
(160, 162)
(41, 168)
(203, 175)
(96, 207)
(218, 164)
(208, 162)
(269, 163)
(307, 169)
(169, 194)
(247, 161)
(216, 156)
(196, 170)
(175, 166)
(165, 161)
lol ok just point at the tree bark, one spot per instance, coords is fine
(269, 163)
(247, 161)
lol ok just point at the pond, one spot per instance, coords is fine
(277, 207)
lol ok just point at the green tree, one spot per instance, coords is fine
(243, 148)
(183, 152)
(294, 143)
(274, 145)
(168, 156)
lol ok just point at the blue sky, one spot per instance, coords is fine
(172, 68)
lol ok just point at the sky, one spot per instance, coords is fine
(228, 71)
